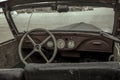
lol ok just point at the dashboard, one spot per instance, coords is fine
(67, 41)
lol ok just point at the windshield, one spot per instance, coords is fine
(77, 18)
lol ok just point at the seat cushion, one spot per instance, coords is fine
(11, 74)
(81, 71)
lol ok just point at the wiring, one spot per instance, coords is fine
(29, 21)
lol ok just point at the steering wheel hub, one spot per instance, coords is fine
(37, 47)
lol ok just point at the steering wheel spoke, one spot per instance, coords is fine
(33, 42)
(43, 55)
(30, 54)
(45, 40)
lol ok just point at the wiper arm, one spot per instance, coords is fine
(110, 36)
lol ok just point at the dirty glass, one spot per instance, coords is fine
(5, 33)
(78, 18)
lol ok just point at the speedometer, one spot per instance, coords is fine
(50, 44)
(60, 43)
(71, 44)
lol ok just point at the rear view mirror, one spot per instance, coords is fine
(62, 8)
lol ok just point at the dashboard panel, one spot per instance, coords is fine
(67, 41)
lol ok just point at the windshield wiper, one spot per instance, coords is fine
(107, 35)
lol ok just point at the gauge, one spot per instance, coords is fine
(71, 44)
(50, 44)
(60, 43)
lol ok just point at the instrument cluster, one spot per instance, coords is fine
(61, 44)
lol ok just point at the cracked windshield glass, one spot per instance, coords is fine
(76, 18)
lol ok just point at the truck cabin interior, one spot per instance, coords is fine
(61, 39)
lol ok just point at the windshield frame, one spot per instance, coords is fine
(69, 3)
(88, 2)
(16, 7)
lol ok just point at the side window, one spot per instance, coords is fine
(5, 33)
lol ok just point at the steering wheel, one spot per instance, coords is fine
(37, 47)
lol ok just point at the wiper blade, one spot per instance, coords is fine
(107, 35)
